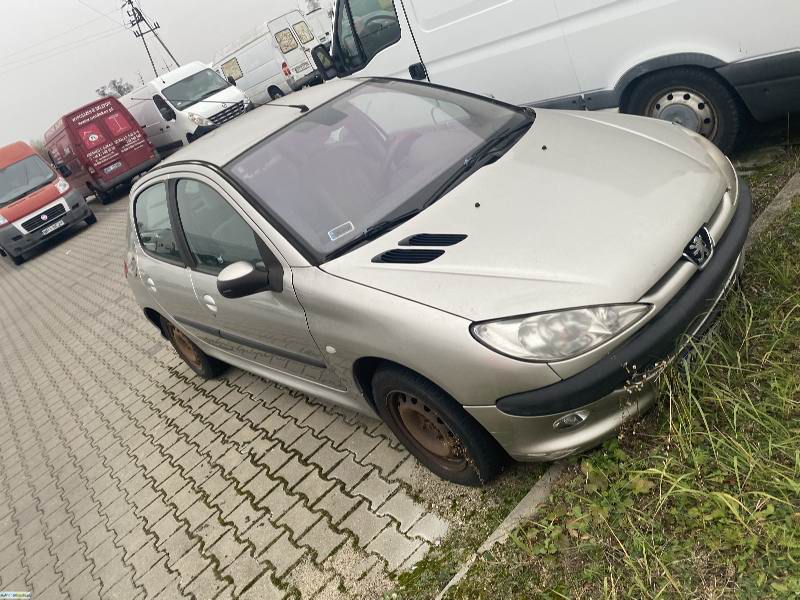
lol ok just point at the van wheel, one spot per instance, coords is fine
(199, 362)
(91, 219)
(435, 428)
(17, 260)
(275, 93)
(695, 98)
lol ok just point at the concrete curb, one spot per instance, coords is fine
(539, 493)
(777, 207)
(526, 508)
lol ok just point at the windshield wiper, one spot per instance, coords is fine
(373, 232)
(26, 192)
(492, 148)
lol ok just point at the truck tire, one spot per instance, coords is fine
(17, 260)
(696, 98)
(91, 219)
(275, 93)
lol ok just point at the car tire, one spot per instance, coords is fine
(17, 260)
(696, 98)
(435, 428)
(275, 93)
(198, 361)
(91, 219)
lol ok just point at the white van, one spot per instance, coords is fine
(258, 64)
(320, 22)
(180, 106)
(704, 64)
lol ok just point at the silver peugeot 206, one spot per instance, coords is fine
(491, 280)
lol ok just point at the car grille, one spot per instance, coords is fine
(229, 113)
(37, 222)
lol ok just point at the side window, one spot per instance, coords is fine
(164, 108)
(364, 28)
(286, 40)
(303, 32)
(216, 234)
(153, 225)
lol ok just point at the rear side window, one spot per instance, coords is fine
(286, 40)
(217, 235)
(232, 69)
(303, 32)
(153, 225)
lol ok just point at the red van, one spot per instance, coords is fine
(35, 202)
(98, 147)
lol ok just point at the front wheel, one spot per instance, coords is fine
(435, 428)
(201, 363)
(275, 93)
(694, 98)
(17, 260)
(91, 219)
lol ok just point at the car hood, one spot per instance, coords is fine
(214, 104)
(31, 202)
(586, 209)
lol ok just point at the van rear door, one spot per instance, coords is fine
(290, 47)
(111, 141)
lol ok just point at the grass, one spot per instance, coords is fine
(701, 499)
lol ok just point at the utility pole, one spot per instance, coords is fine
(137, 18)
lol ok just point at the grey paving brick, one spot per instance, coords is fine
(375, 489)
(298, 520)
(349, 472)
(336, 503)
(264, 589)
(282, 555)
(322, 540)
(393, 547)
(364, 524)
(430, 528)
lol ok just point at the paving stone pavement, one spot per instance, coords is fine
(125, 476)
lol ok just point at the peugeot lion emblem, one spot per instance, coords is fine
(44, 217)
(700, 249)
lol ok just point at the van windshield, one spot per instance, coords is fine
(398, 144)
(23, 177)
(194, 88)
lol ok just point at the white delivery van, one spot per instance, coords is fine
(704, 64)
(295, 41)
(320, 22)
(180, 106)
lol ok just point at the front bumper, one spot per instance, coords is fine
(620, 386)
(14, 242)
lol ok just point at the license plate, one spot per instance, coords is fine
(112, 168)
(51, 228)
(302, 67)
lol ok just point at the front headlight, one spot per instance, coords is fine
(62, 185)
(200, 120)
(558, 335)
(3, 220)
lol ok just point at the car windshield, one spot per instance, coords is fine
(380, 150)
(22, 177)
(194, 88)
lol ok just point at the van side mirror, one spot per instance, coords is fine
(242, 279)
(64, 170)
(167, 113)
(324, 62)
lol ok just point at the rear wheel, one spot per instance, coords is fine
(694, 98)
(17, 260)
(91, 219)
(275, 93)
(435, 428)
(102, 197)
(205, 366)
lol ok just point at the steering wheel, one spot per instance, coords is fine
(376, 21)
(402, 142)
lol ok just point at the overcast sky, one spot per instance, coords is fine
(55, 53)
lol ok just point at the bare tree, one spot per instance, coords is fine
(115, 88)
(38, 145)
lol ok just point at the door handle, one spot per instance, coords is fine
(148, 281)
(210, 303)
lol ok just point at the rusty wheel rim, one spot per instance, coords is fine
(185, 347)
(428, 431)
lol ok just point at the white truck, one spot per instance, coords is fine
(320, 22)
(272, 60)
(180, 106)
(704, 64)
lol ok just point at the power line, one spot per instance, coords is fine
(137, 18)
(57, 49)
(102, 14)
(52, 37)
(58, 53)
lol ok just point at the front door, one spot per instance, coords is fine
(268, 328)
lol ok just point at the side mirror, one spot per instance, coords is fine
(242, 279)
(324, 62)
(64, 170)
(167, 113)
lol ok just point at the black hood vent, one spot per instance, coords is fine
(434, 239)
(402, 256)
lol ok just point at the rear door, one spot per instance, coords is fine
(160, 266)
(290, 47)
(268, 328)
(111, 141)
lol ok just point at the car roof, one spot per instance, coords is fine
(229, 141)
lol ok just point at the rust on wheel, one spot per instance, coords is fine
(185, 347)
(428, 431)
